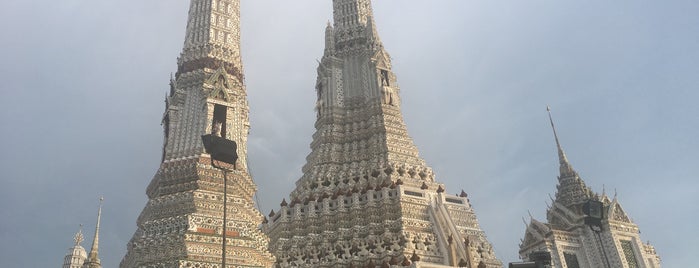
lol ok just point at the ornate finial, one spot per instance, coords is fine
(440, 189)
(405, 262)
(565, 167)
(79, 236)
(393, 261)
(604, 190)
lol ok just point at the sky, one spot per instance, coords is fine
(84, 81)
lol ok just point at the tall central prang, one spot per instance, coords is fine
(182, 223)
(366, 198)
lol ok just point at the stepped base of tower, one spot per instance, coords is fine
(384, 225)
(181, 225)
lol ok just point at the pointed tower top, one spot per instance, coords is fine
(93, 259)
(572, 189)
(565, 167)
(351, 13)
(212, 38)
(353, 20)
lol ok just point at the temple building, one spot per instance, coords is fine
(366, 198)
(182, 223)
(585, 229)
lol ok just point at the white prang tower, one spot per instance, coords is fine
(612, 241)
(181, 225)
(366, 198)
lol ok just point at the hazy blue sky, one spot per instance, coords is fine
(83, 83)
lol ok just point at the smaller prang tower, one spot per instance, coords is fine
(575, 238)
(366, 197)
(182, 223)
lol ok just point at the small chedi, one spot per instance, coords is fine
(182, 223)
(366, 198)
(578, 235)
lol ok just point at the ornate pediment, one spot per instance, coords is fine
(535, 233)
(617, 213)
(561, 217)
(383, 60)
(222, 85)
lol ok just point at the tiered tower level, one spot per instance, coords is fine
(366, 198)
(181, 225)
(572, 243)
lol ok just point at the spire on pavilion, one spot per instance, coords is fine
(571, 188)
(93, 260)
(565, 167)
(354, 23)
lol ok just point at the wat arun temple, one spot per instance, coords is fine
(365, 199)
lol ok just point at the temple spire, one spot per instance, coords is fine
(354, 23)
(212, 38)
(93, 260)
(565, 167)
(352, 13)
(361, 148)
(329, 39)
